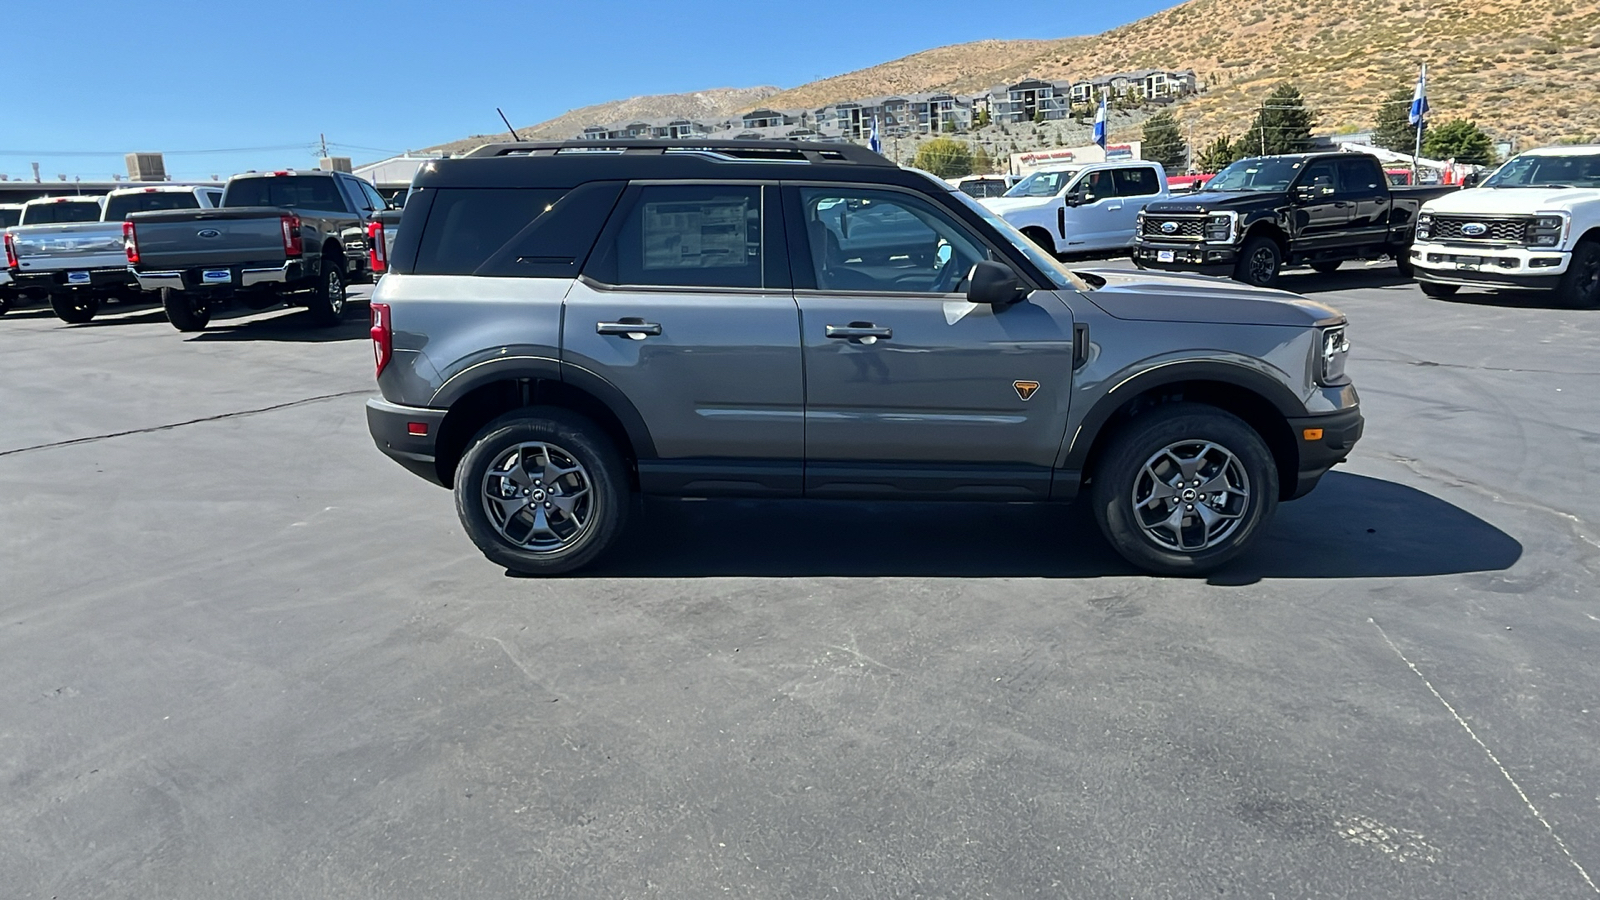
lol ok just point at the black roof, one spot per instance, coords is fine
(568, 163)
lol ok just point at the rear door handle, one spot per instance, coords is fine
(635, 329)
(865, 332)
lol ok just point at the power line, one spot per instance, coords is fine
(121, 153)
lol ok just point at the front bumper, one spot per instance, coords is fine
(238, 277)
(65, 280)
(1489, 266)
(1207, 259)
(393, 428)
(1323, 442)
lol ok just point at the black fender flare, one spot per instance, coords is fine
(1089, 428)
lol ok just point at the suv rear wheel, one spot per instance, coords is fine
(1184, 489)
(75, 307)
(542, 491)
(186, 310)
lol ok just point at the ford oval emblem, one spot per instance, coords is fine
(208, 233)
(1474, 229)
(1169, 227)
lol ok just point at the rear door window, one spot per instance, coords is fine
(1140, 181)
(118, 208)
(1359, 176)
(687, 236)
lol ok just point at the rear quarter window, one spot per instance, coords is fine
(514, 232)
(118, 208)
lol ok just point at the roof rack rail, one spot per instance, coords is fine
(731, 150)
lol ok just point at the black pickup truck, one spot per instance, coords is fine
(297, 237)
(1263, 213)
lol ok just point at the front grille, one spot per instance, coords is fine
(1499, 231)
(1188, 228)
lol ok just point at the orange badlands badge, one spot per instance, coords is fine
(1025, 389)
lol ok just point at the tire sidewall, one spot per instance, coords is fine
(324, 300)
(74, 310)
(574, 434)
(1570, 286)
(184, 312)
(1141, 438)
(1244, 271)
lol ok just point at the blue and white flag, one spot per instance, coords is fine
(1419, 100)
(872, 141)
(1100, 123)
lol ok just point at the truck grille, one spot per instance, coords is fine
(1498, 231)
(1186, 228)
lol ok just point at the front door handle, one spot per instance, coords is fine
(864, 332)
(634, 329)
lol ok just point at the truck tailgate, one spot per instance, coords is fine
(184, 239)
(54, 248)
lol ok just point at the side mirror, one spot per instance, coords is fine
(1073, 197)
(993, 284)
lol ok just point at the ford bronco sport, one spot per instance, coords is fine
(562, 325)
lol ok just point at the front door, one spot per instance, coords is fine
(686, 309)
(910, 389)
(1322, 215)
(1094, 217)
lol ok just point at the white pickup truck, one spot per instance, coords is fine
(72, 249)
(1082, 209)
(10, 214)
(1532, 225)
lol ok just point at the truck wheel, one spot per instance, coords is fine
(327, 298)
(5, 303)
(1580, 286)
(185, 310)
(1402, 261)
(1259, 262)
(1325, 268)
(542, 491)
(1184, 488)
(1439, 291)
(75, 308)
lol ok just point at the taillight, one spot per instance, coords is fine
(130, 242)
(382, 337)
(291, 235)
(377, 250)
(11, 252)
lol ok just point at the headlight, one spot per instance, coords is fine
(1424, 226)
(1335, 350)
(1547, 231)
(1220, 227)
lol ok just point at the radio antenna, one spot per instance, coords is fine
(508, 125)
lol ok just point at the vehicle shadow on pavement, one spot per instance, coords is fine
(1510, 300)
(1352, 526)
(143, 317)
(292, 327)
(1305, 281)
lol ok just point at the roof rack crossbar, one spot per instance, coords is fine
(755, 150)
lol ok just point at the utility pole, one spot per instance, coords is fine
(322, 140)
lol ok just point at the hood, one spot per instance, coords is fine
(1208, 201)
(1002, 205)
(1511, 201)
(1182, 297)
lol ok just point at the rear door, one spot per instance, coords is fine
(1363, 185)
(686, 308)
(910, 389)
(1136, 187)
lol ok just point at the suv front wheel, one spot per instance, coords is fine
(1184, 488)
(541, 491)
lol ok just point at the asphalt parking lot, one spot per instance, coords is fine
(245, 655)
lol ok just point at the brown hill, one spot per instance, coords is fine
(1523, 69)
(709, 104)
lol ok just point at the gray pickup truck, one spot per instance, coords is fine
(286, 236)
(563, 325)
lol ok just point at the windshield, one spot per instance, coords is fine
(118, 207)
(1258, 174)
(1049, 265)
(1531, 170)
(61, 213)
(1042, 184)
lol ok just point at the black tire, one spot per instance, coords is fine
(186, 310)
(1121, 472)
(584, 531)
(1325, 268)
(1439, 291)
(1042, 238)
(75, 308)
(1259, 263)
(327, 298)
(1403, 263)
(5, 303)
(1580, 286)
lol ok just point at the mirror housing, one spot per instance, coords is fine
(1073, 197)
(994, 284)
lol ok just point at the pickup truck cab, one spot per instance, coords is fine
(284, 236)
(1532, 225)
(1263, 213)
(1082, 209)
(71, 248)
(10, 214)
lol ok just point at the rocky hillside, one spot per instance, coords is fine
(1524, 69)
(700, 104)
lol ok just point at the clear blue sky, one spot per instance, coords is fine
(379, 77)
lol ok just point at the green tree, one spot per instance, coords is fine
(1163, 141)
(982, 162)
(944, 157)
(983, 119)
(1038, 117)
(1283, 124)
(1460, 140)
(949, 126)
(1395, 131)
(1218, 155)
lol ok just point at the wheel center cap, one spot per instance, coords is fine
(1189, 495)
(538, 496)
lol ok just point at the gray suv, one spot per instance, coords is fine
(563, 325)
